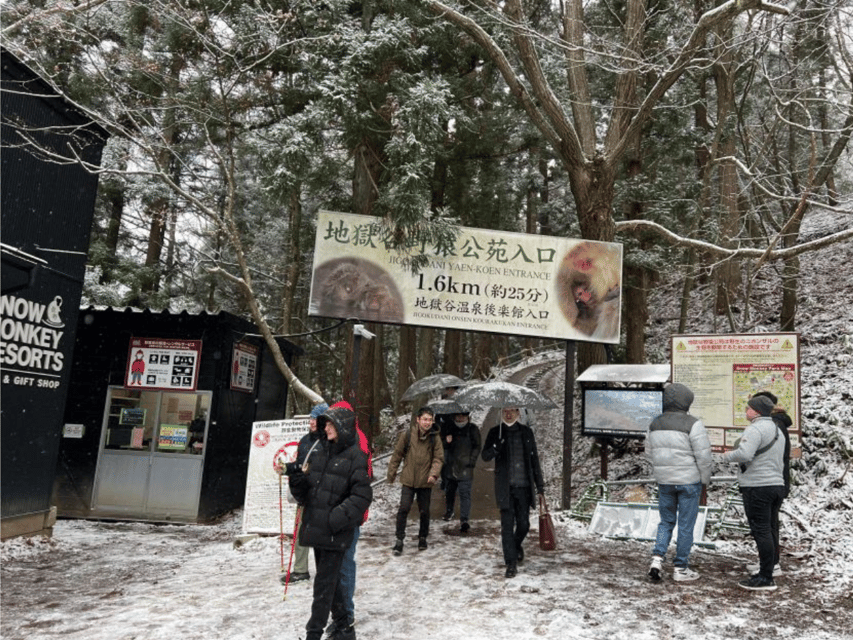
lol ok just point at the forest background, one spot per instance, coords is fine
(699, 135)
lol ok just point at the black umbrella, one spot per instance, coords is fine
(430, 384)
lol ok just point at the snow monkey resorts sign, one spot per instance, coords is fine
(723, 371)
(494, 281)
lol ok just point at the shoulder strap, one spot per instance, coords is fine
(772, 442)
(408, 442)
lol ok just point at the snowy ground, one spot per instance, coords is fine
(125, 581)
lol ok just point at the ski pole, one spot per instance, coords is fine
(292, 551)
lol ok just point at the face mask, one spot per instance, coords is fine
(462, 423)
(509, 423)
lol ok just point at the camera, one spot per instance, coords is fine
(291, 468)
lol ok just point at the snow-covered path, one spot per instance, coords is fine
(127, 581)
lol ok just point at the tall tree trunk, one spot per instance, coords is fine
(114, 194)
(368, 373)
(426, 358)
(367, 169)
(728, 274)
(453, 352)
(636, 313)
(160, 208)
(407, 372)
(293, 260)
(482, 360)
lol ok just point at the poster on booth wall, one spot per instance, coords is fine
(267, 502)
(496, 281)
(723, 371)
(163, 364)
(244, 366)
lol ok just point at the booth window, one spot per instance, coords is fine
(162, 421)
(130, 419)
(182, 422)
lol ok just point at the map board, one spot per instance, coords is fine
(724, 370)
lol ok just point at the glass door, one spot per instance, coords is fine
(178, 458)
(152, 454)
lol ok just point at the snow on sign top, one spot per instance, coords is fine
(626, 373)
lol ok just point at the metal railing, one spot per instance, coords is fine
(722, 521)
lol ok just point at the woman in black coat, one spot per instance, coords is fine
(335, 492)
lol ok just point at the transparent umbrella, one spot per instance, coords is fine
(431, 384)
(502, 394)
(447, 406)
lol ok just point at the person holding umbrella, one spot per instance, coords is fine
(518, 478)
(461, 440)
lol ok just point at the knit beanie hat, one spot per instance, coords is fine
(762, 404)
(318, 410)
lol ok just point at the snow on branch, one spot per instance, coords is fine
(729, 253)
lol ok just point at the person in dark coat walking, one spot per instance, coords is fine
(335, 493)
(518, 479)
(461, 440)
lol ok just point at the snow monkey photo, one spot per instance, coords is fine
(355, 288)
(588, 290)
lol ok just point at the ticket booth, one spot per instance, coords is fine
(161, 405)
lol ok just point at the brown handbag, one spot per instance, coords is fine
(547, 540)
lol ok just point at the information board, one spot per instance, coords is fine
(159, 363)
(724, 370)
(244, 366)
(266, 492)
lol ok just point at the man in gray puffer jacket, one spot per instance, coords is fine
(678, 448)
(760, 454)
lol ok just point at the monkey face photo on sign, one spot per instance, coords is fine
(355, 288)
(588, 289)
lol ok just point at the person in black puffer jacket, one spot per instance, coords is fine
(335, 492)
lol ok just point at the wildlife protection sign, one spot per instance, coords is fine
(266, 505)
(724, 371)
(496, 281)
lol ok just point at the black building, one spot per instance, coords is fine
(47, 207)
(159, 416)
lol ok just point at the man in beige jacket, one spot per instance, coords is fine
(420, 451)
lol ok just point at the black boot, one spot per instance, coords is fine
(347, 633)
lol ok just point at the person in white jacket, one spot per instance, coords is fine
(679, 451)
(760, 454)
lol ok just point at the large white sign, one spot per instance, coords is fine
(723, 371)
(496, 281)
(267, 507)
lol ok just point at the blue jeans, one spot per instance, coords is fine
(464, 489)
(348, 578)
(677, 502)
